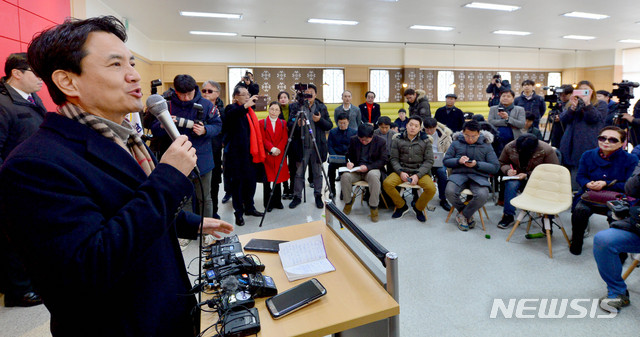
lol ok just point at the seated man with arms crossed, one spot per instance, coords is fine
(411, 160)
(369, 153)
(472, 160)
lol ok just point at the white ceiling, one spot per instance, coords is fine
(389, 21)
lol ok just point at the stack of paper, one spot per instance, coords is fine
(304, 258)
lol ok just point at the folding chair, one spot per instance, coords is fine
(548, 192)
(359, 190)
(467, 193)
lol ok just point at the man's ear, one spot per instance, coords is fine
(66, 82)
(17, 74)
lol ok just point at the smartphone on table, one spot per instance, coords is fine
(295, 298)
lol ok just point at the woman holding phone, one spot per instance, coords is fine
(583, 118)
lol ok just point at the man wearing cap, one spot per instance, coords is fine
(449, 115)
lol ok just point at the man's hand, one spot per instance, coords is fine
(363, 169)
(503, 115)
(414, 179)
(522, 176)
(214, 226)
(404, 176)
(627, 117)
(181, 155)
(315, 117)
(470, 164)
(275, 151)
(349, 165)
(198, 129)
(463, 160)
(251, 102)
(511, 172)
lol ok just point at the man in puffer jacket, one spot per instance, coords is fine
(418, 103)
(472, 160)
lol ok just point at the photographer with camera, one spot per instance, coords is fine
(560, 96)
(495, 87)
(620, 117)
(313, 114)
(601, 175)
(248, 83)
(623, 237)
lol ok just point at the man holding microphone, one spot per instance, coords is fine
(91, 212)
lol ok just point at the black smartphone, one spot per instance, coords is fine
(295, 298)
(262, 245)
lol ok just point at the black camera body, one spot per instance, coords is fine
(301, 95)
(619, 208)
(154, 86)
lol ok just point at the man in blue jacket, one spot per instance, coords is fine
(531, 102)
(194, 117)
(92, 213)
(338, 144)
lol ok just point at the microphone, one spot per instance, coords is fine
(157, 106)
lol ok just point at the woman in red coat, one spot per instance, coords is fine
(275, 135)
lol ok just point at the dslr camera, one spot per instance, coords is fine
(619, 208)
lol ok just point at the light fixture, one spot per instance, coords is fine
(438, 28)
(578, 37)
(212, 15)
(629, 41)
(495, 7)
(538, 85)
(404, 85)
(583, 15)
(196, 32)
(511, 32)
(333, 22)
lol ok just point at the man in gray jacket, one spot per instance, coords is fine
(471, 159)
(352, 111)
(508, 118)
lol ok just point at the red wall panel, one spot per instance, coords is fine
(21, 19)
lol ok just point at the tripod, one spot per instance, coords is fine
(554, 110)
(300, 121)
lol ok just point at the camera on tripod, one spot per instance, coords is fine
(553, 98)
(624, 92)
(301, 94)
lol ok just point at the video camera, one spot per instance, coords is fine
(619, 208)
(624, 92)
(553, 98)
(301, 95)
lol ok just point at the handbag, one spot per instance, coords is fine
(601, 197)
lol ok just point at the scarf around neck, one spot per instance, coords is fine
(256, 146)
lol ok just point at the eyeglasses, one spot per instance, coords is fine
(209, 91)
(610, 139)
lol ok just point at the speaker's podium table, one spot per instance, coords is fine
(354, 297)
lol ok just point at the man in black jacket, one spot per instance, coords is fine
(317, 119)
(248, 83)
(211, 91)
(369, 110)
(21, 113)
(339, 139)
(495, 87)
(449, 115)
(418, 103)
(367, 154)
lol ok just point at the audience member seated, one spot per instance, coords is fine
(338, 144)
(274, 138)
(449, 115)
(411, 159)
(367, 154)
(440, 136)
(608, 244)
(402, 120)
(394, 127)
(418, 103)
(352, 111)
(471, 159)
(508, 118)
(583, 119)
(484, 125)
(530, 126)
(370, 111)
(384, 130)
(495, 87)
(605, 168)
(531, 102)
(517, 161)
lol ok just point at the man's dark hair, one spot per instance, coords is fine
(384, 120)
(496, 76)
(237, 89)
(283, 92)
(528, 82)
(393, 125)
(365, 130)
(369, 92)
(530, 116)
(478, 118)
(342, 116)
(62, 48)
(415, 118)
(409, 91)
(184, 83)
(430, 122)
(566, 89)
(313, 86)
(504, 91)
(16, 61)
(402, 110)
(471, 126)
(604, 93)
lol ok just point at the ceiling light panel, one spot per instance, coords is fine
(438, 28)
(511, 32)
(333, 22)
(629, 41)
(197, 32)
(212, 15)
(584, 15)
(578, 37)
(495, 7)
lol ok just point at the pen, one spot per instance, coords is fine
(510, 165)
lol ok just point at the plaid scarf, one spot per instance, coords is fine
(135, 147)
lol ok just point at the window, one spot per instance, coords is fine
(235, 76)
(379, 80)
(445, 84)
(631, 72)
(333, 85)
(554, 79)
(506, 75)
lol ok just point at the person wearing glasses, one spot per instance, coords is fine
(21, 113)
(471, 159)
(211, 91)
(607, 167)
